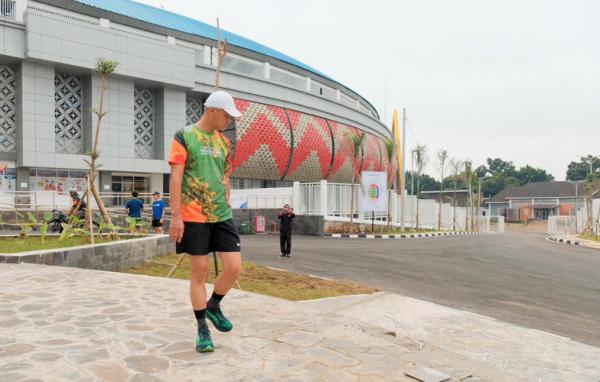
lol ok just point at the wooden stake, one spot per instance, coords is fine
(89, 210)
(221, 52)
(178, 263)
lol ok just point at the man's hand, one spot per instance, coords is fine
(176, 229)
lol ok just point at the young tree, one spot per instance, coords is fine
(455, 170)
(442, 157)
(390, 148)
(104, 68)
(420, 153)
(591, 189)
(357, 140)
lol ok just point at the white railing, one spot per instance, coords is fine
(337, 197)
(288, 78)
(265, 197)
(52, 200)
(574, 224)
(8, 9)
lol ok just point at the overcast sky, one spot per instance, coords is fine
(519, 80)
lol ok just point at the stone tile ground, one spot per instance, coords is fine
(67, 324)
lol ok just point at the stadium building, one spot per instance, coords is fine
(295, 125)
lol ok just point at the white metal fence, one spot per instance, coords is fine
(570, 225)
(52, 200)
(333, 201)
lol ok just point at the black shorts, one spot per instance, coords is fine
(203, 238)
(156, 223)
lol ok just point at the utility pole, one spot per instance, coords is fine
(412, 172)
(403, 191)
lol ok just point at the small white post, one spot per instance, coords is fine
(308, 84)
(394, 207)
(296, 198)
(323, 198)
(267, 71)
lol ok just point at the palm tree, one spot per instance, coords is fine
(420, 154)
(357, 140)
(390, 147)
(442, 156)
(455, 168)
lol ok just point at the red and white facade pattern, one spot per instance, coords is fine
(274, 143)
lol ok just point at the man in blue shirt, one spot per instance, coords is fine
(158, 210)
(134, 206)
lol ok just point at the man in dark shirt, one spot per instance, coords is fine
(285, 230)
(134, 206)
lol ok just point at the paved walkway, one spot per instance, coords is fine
(67, 324)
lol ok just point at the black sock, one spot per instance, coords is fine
(200, 316)
(214, 301)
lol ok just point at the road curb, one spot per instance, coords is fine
(400, 236)
(565, 241)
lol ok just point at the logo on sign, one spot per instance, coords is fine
(373, 191)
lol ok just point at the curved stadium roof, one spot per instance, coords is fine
(184, 24)
(166, 19)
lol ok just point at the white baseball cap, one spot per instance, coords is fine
(223, 100)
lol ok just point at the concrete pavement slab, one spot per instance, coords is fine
(524, 353)
(68, 324)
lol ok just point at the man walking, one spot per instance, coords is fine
(134, 206)
(285, 230)
(158, 210)
(201, 216)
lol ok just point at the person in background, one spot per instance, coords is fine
(285, 230)
(158, 213)
(75, 198)
(134, 206)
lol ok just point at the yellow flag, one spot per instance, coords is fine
(397, 142)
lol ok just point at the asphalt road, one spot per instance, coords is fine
(516, 277)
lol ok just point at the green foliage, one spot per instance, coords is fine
(25, 230)
(32, 218)
(426, 182)
(580, 170)
(131, 224)
(357, 141)
(48, 216)
(43, 231)
(105, 66)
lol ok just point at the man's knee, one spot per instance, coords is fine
(234, 270)
(198, 272)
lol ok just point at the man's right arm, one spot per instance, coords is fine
(176, 227)
(177, 159)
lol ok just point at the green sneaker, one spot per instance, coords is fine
(204, 341)
(219, 320)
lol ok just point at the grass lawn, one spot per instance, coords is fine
(34, 243)
(263, 280)
(590, 237)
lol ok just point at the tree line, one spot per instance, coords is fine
(495, 175)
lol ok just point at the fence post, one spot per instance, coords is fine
(323, 198)
(394, 207)
(296, 197)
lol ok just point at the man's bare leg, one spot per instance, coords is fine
(198, 271)
(232, 268)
